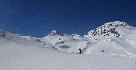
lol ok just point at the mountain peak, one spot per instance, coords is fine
(116, 23)
(110, 29)
(55, 32)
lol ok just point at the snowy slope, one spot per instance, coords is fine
(14, 57)
(108, 47)
(113, 38)
(65, 43)
(111, 30)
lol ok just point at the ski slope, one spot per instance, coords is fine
(14, 57)
(108, 47)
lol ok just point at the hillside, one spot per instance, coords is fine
(108, 47)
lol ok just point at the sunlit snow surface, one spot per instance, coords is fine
(61, 52)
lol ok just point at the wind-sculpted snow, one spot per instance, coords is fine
(108, 47)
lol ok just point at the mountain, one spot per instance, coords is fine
(55, 32)
(116, 38)
(108, 47)
(65, 43)
(112, 30)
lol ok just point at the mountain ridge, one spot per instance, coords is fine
(111, 38)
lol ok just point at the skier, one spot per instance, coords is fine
(80, 51)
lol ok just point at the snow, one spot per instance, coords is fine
(34, 58)
(108, 47)
(109, 42)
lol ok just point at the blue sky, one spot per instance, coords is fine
(39, 17)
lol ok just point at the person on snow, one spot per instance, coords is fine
(80, 51)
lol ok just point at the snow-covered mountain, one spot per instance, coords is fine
(113, 41)
(115, 38)
(112, 30)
